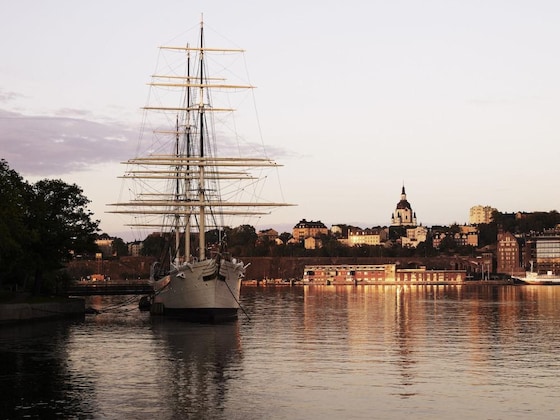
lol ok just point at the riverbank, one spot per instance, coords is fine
(294, 282)
(27, 309)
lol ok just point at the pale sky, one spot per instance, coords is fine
(458, 100)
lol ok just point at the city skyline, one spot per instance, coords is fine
(455, 101)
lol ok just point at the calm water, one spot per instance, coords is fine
(319, 352)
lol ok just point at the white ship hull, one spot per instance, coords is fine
(539, 279)
(200, 291)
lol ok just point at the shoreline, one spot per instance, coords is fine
(290, 283)
(17, 312)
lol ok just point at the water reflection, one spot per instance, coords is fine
(34, 382)
(306, 352)
(200, 360)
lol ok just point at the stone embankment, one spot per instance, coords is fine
(260, 268)
(24, 311)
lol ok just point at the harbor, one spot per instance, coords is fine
(301, 352)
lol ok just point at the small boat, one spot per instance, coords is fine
(187, 187)
(535, 278)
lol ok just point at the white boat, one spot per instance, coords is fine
(187, 188)
(535, 278)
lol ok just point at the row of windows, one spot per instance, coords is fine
(548, 249)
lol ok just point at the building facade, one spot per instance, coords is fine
(480, 214)
(414, 236)
(305, 229)
(544, 251)
(508, 254)
(378, 274)
(374, 236)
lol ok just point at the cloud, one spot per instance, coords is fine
(71, 140)
(55, 145)
(7, 96)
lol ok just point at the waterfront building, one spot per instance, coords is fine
(544, 252)
(378, 273)
(508, 254)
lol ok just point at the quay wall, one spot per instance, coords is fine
(127, 268)
(18, 312)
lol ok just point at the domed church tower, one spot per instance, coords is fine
(403, 215)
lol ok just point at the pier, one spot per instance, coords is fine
(106, 288)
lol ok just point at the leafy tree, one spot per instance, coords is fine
(60, 224)
(487, 234)
(504, 221)
(447, 244)
(285, 237)
(119, 247)
(537, 221)
(14, 195)
(242, 240)
(153, 245)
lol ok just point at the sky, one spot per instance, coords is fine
(456, 100)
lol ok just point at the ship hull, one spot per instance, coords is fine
(539, 279)
(539, 282)
(204, 291)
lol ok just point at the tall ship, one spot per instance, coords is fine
(187, 183)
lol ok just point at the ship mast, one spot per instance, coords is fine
(201, 167)
(191, 163)
(188, 152)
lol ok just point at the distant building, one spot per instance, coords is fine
(306, 229)
(135, 248)
(312, 243)
(373, 236)
(267, 235)
(414, 236)
(468, 236)
(480, 214)
(339, 230)
(376, 274)
(403, 215)
(508, 254)
(544, 252)
(105, 246)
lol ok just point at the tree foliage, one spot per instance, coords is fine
(524, 223)
(14, 234)
(42, 225)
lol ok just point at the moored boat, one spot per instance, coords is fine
(187, 189)
(538, 279)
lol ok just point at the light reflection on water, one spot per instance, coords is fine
(307, 352)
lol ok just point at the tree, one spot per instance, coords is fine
(14, 194)
(447, 244)
(153, 245)
(119, 247)
(60, 224)
(242, 240)
(285, 237)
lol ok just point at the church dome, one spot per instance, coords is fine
(403, 215)
(404, 204)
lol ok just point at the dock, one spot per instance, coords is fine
(108, 288)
